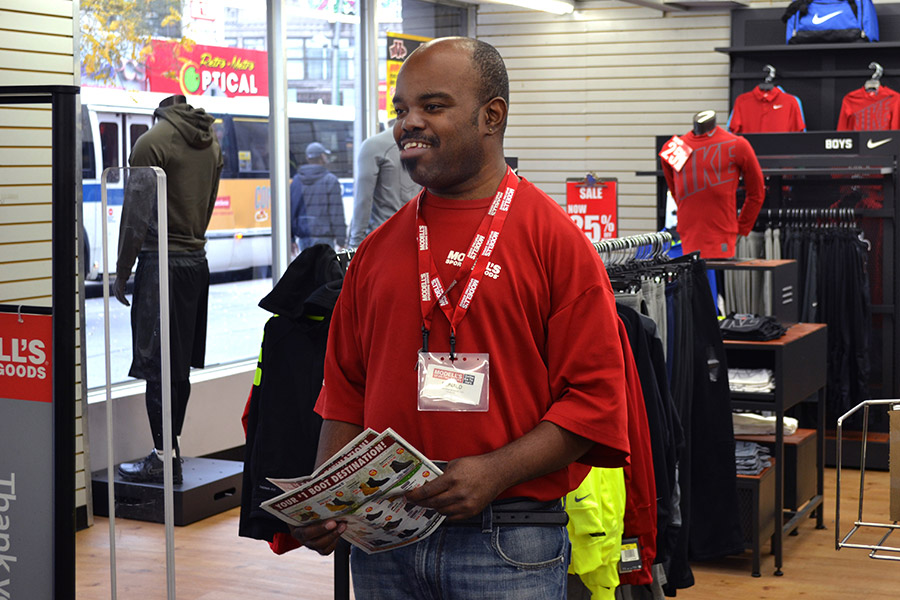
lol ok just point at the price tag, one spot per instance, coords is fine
(630, 559)
(675, 153)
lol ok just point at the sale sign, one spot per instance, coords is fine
(197, 70)
(592, 204)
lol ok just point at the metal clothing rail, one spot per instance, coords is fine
(641, 247)
(844, 217)
(860, 524)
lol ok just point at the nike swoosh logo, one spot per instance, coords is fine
(777, 106)
(817, 20)
(873, 144)
(577, 499)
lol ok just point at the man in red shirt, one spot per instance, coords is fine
(439, 277)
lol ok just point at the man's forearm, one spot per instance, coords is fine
(333, 436)
(545, 449)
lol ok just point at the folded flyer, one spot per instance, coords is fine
(363, 485)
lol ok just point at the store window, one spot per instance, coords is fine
(317, 59)
(254, 43)
(321, 54)
(293, 49)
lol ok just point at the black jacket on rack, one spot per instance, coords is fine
(666, 435)
(282, 429)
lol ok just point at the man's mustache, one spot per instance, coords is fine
(426, 139)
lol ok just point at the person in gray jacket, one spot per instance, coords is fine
(321, 218)
(382, 185)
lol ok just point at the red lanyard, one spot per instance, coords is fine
(432, 290)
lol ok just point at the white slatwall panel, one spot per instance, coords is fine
(590, 91)
(36, 48)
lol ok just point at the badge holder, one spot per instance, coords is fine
(460, 384)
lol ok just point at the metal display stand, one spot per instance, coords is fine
(165, 351)
(892, 552)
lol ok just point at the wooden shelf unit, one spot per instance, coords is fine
(798, 361)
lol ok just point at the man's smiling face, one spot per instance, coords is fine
(438, 119)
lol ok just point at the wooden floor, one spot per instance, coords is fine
(213, 563)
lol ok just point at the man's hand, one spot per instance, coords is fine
(467, 486)
(321, 537)
(470, 483)
(119, 290)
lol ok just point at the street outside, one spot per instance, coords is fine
(234, 330)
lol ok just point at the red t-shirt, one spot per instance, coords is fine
(862, 110)
(773, 111)
(705, 192)
(547, 320)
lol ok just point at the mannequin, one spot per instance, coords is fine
(705, 122)
(705, 188)
(184, 144)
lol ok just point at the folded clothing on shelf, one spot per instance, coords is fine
(748, 423)
(760, 381)
(751, 458)
(750, 328)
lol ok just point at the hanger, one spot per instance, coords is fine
(343, 258)
(874, 81)
(767, 85)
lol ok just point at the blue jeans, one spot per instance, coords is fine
(468, 563)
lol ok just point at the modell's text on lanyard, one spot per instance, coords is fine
(457, 381)
(474, 265)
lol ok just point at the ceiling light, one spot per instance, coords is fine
(557, 7)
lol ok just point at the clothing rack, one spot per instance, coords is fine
(641, 247)
(819, 217)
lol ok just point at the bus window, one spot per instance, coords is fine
(301, 134)
(224, 128)
(109, 147)
(137, 130)
(252, 138)
(337, 136)
(88, 164)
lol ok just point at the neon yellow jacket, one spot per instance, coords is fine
(596, 522)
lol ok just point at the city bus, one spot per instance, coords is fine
(239, 233)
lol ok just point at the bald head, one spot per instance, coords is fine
(451, 108)
(486, 62)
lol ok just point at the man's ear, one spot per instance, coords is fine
(495, 113)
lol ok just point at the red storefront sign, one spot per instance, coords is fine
(233, 71)
(593, 205)
(25, 351)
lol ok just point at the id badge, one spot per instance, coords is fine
(457, 385)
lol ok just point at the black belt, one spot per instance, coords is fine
(517, 512)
